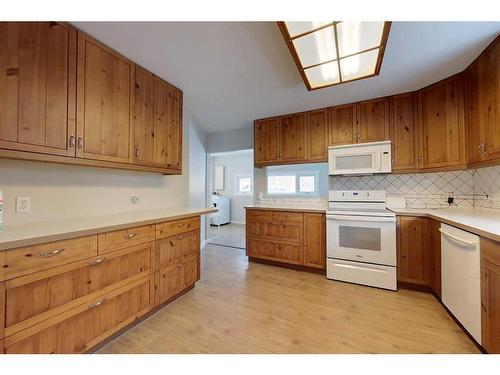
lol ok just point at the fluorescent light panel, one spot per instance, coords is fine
(331, 53)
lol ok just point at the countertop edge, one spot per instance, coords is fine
(296, 209)
(475, 230)
(9, 245)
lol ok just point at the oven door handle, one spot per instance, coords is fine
(377, 219)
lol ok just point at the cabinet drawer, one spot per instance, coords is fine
(39, 296)
(171, 228)
(288, 253)
(41, 257)
(83, 327)
(175, 278)
(258, 248)
(259, 215)
(176, 248)
(292, 217)
(121, 239)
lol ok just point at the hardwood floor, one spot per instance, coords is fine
(239, 307)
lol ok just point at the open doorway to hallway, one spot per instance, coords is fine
(229, 188)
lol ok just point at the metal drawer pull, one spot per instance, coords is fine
(180, 225)
(48, 254)
(97, 304)
(180, 265)
(130, 235)
(97, 262)
(180, 237)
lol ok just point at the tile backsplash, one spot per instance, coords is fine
(487, 187)
(421, 190)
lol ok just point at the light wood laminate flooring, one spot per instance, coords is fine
(241, 307)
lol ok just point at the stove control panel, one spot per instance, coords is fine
(357, 196)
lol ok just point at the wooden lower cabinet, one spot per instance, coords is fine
(435, 250)
(490, 295)
(413, 255)
(39, 296)
(288, 237)
(2, 312)
(86, 325)
(175, 278)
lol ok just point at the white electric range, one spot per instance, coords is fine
(361, 239)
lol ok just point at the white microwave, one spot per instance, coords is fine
(360, 158)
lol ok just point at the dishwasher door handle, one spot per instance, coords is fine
(457, 239)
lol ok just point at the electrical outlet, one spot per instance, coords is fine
(134, 198)
(23, 204)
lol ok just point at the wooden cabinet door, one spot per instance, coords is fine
(176, 248)
(441, 124)
(157, 130)
(403, 133)
(342, 125)
(490, 306)
(38, 87)
(373, 120)
(260, 249)
(266, 139)
(2, 311)
(318, 136)
(315, 240)
(105, 92)
(90, 323)
(413, 250)
(474, 115)
(293, 137)
(435, 249)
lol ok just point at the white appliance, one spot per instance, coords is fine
(224, 205)
(360, 158)
(461, 278)
(361, 239)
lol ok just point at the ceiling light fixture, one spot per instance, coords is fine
(329, 53)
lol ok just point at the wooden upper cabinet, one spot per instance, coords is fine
(37, 87)
(105, 92)
(373, 120)
(157, 134)
(266, 141)
(441, 124)
(403, 132)
(483, 105)
(318, 136)
(342, 125)
(293, 137)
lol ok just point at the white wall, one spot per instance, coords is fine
(235, 163)
(61, 191)
(230, 140)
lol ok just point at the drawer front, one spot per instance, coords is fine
(293, 217)
(28, 297)
(173, 249)
(175, 278)
(291, 231)
(259, 215)
(121, 239)
(258, 248)
(41, 257)
(171, 228)
(88, 325)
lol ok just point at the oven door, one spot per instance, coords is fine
(362, 238)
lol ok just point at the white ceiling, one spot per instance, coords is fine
(234, 72)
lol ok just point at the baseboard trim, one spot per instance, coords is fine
(295, 267)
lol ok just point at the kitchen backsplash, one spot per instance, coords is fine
(421, 190)
(487, 187)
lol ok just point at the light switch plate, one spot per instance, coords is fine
(23, 204)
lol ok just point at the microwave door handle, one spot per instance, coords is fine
(361, 218)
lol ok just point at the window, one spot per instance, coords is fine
(243, 184)
(292, 183)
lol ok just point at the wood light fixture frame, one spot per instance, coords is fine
(295, 56)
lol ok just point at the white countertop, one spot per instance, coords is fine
(290, 206)
(482, 221)
(12, 236)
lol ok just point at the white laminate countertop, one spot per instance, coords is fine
(12, 236)
(290, 206)
(482, 221)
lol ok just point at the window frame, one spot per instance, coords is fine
(237, 178)
(297, 175)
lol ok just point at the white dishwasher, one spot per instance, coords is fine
(461, 277)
